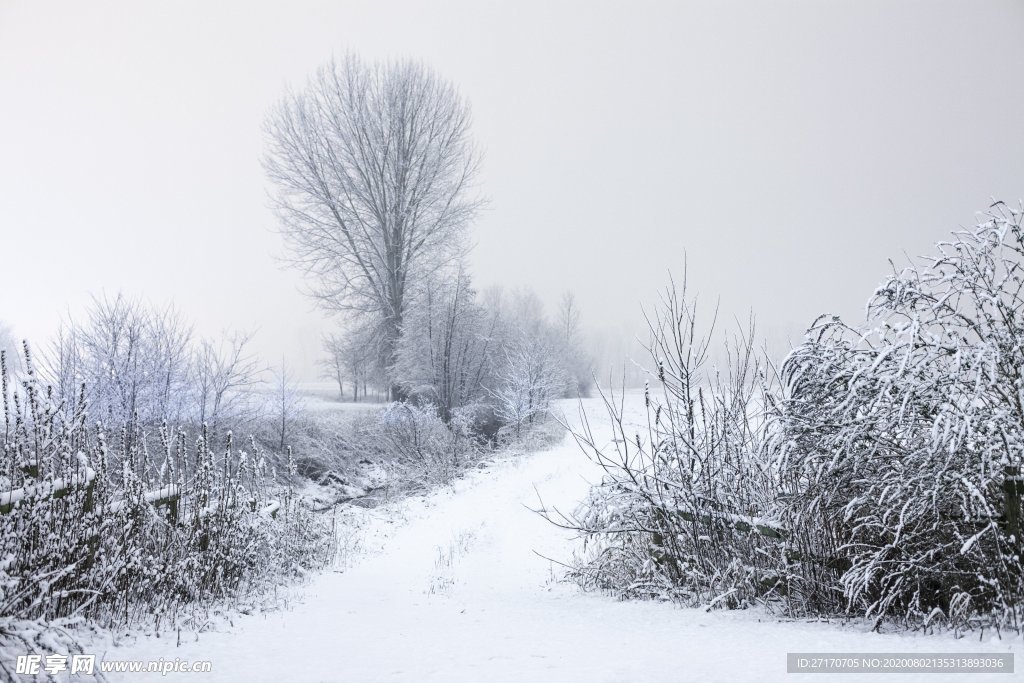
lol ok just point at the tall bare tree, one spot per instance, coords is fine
(575, 357)
(374, 167)
(569, 318)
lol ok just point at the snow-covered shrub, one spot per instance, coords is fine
(325, 444)
(415, 441)
(31, 637)
(9, 345)
(132, 526)
(895, 438)
(680, 511)
(873, 480)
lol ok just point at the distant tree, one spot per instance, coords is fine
(529, 365)
(374, 166)
(569, 318)
(353, 355)
(287, 405)
(223, 375)
(524, 314)
(576, 359)
(333, 366)
(362, 356)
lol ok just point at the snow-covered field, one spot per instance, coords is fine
(455, 587)
(323, 397)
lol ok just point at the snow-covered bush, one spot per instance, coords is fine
(326, 444)
(873, 479)
(894, 439)
(131, 526)
(9, 345)
(680, 510)
(415, 441)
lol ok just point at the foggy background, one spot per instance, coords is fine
(789, 149)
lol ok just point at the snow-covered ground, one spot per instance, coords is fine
(455, 587)
(323, 397)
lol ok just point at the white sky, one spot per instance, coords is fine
(789, 148)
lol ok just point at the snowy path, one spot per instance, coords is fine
(457, 592)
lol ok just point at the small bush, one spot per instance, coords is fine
(418, 446)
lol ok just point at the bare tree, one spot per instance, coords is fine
(333, 363)
(374, 167)
(569, 318)
(135, 360)
(362, 358)
(576, 359)
(353, 355)
(223, 375)
(287, 405)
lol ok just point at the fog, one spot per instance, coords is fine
(786, 151)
